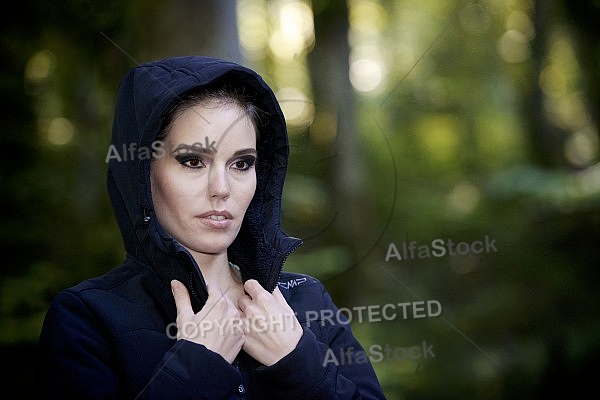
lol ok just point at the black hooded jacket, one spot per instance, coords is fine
(108, 337)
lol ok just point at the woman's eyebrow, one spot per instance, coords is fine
(243, 152)
(195, 148)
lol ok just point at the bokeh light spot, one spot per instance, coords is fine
(513, 47)
(60, 131)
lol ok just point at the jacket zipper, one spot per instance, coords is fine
(191, 285)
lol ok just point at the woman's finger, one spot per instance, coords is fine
(182, 299)
(279, 297)
(253, 288)
(243, 303)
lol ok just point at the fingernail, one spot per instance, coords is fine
(174, 285)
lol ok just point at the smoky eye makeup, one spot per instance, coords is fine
(244, 163)
(243, 159)
(191, 160)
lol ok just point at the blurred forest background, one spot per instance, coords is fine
(410, 120)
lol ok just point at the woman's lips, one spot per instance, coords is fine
(216, 219)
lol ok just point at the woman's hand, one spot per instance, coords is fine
(217, 326)
(272, 329)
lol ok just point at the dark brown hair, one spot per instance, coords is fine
(220, 95)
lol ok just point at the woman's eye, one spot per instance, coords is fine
(194, 163)
(191, 162)
(243, 165)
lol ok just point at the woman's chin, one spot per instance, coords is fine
(213, 248)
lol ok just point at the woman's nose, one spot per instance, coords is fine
(218, 183)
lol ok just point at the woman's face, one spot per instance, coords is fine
(203, 184)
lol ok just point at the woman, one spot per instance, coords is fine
(200, 308)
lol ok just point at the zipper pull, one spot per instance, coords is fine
(146, 216)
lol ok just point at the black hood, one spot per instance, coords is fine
(146, 93)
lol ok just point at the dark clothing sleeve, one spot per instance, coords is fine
(191, 371)
(77, 361)
(311, 372)
(74, 358)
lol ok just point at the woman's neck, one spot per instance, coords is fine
(216, 270)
